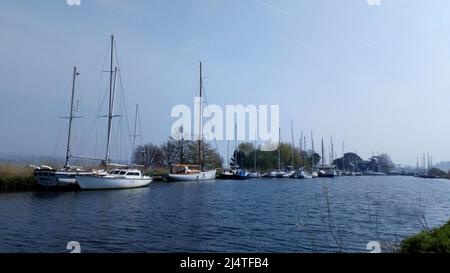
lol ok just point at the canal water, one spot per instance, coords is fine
(259, 215)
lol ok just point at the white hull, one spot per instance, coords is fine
(51, 178)
(91, 182)
(254, 175)
(208, 175)
(304, 176)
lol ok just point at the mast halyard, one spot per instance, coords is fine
(71, 117)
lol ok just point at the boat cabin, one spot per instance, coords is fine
(186, 169)
(131, 172)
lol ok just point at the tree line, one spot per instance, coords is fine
(244, 157)
(173, 152)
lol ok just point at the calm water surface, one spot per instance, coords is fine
(261, 215)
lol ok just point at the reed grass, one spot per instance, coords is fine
(16, 178)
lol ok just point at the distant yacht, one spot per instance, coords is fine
(277, 173)
(289, 173)
(327, 172)
(49, 177)
(118, 178)
(241, 174)
(302, 174)
(254, 173)
(373, 173)
(185, 172)
(194, 172)
(227, 174)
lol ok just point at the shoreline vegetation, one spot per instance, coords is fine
(436, 240)
(15, 178)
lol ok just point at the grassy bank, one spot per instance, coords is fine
(16, 178)
(434, 241)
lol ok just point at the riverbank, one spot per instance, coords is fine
(16, 178)
(436, 240)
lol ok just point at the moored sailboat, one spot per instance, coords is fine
(49, 177)
(194, 172)
(118, 178)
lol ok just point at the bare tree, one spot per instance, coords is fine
(209, 155)
(170, 152)
(148, 155)
(183, 151)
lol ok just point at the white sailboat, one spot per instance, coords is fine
(118, 178)
(254, 173)
(314, 172)
(290, 172)
(49, 177)
(186, 172)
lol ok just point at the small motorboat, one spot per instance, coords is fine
(114, 179)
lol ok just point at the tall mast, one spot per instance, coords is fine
(300, 141)
(312, 147)
(200, 122)
(304, 143)
(332, 152)
(228, 153)
(135, 127)
(71, 117)
(292, 148)
(343, 156)
(323, 155)
(111, 99)
(236, 148)
(300, 147)
(254, 159)
(279, 148)
(235, 137)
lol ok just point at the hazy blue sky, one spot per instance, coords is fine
(377, 77)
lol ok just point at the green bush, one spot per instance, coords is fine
(435, 241)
